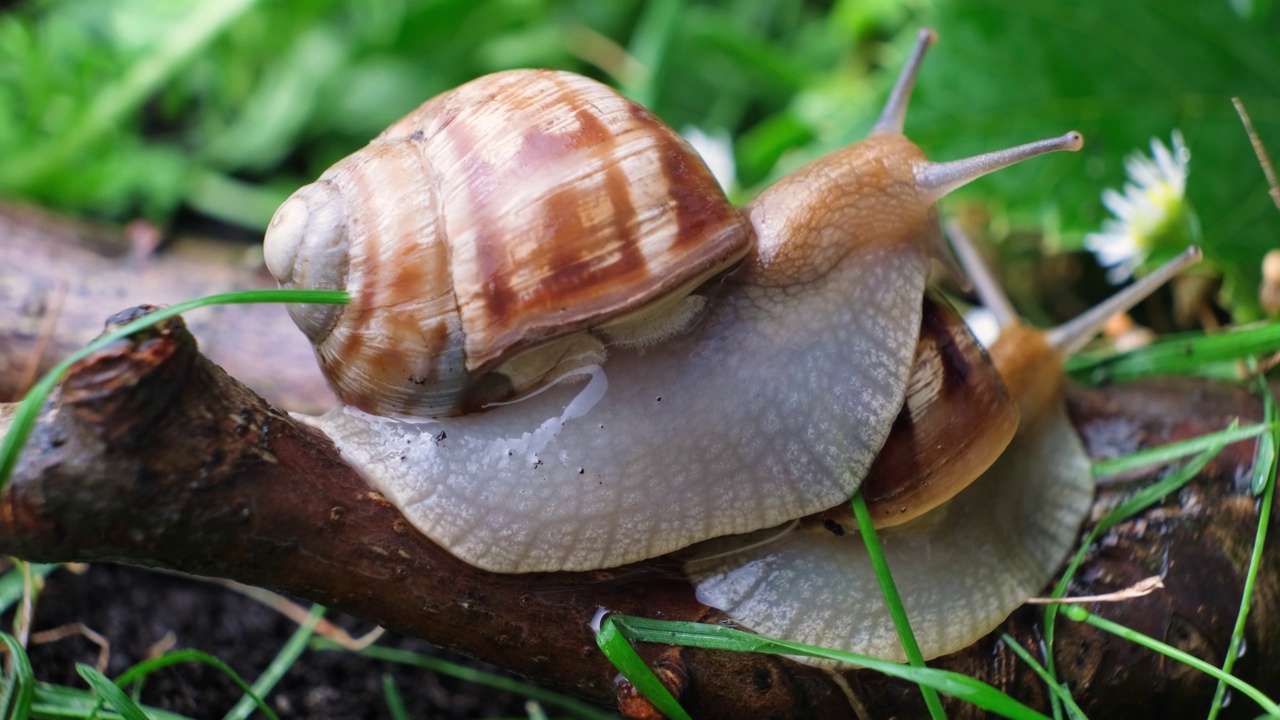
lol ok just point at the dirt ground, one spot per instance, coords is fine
(136, 609)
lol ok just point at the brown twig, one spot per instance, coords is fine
(71, 630)
(1261, 151)
(151, 455)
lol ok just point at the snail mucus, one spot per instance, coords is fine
(566, 350)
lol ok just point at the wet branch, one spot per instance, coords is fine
(151, 455)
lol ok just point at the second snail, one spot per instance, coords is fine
(566, 350)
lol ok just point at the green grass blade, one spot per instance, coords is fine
(57, 701)
(1057, 690)
(1189, 354)
(716, 637)
(20, 683)
(1264, 473)
(1079, 614)
(444, 667)
(617, 648)
(1140, 500)
(395, 703)
(12, 583)
(649, 42)
(110, 693)
(1264, 463)
(29, 409)
(893, 600)
(284, 660)
(142, 669)
(8, 688)
(1178, 450)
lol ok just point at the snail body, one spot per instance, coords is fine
(965, 563)
(767, 403)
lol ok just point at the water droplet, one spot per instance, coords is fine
(1226, 699)
(1243, 647)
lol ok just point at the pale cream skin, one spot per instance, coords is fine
(960, 568)
(642, 460)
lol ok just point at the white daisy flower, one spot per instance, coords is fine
(1151, 213)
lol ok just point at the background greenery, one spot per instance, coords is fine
(128, 108)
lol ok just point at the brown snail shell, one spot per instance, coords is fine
(956, 421)
(500, 233)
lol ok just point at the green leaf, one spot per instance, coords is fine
(716, 637)
(1006, 71)
(57, 701)
(146, 667)
(866, 526)
(1059, 691)
(1264, 474)
(1079, 614)
(12, 583)
(19, 682)
(283, 660)
(576, 707)
(1178, 450)
(1139, 501)
(624, 657)
(395, 702)
(1188, 354)
(112, 695)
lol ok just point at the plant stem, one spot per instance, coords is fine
(894, 601)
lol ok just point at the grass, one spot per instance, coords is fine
(22, 696)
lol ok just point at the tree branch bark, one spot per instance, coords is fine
(152, 455)
(59, 278)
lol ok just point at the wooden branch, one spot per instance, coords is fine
(59, 278)
(152, 455)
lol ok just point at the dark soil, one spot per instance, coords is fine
(136, 609)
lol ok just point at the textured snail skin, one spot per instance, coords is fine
(961, 568)
(770, 409)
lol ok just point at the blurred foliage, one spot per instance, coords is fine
(142, 107)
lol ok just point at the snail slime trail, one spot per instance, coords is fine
(534, 225)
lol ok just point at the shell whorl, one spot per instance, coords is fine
(519, 209)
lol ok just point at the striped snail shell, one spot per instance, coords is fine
(496, 238)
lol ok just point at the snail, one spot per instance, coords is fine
(962, 566)
(753, 386)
